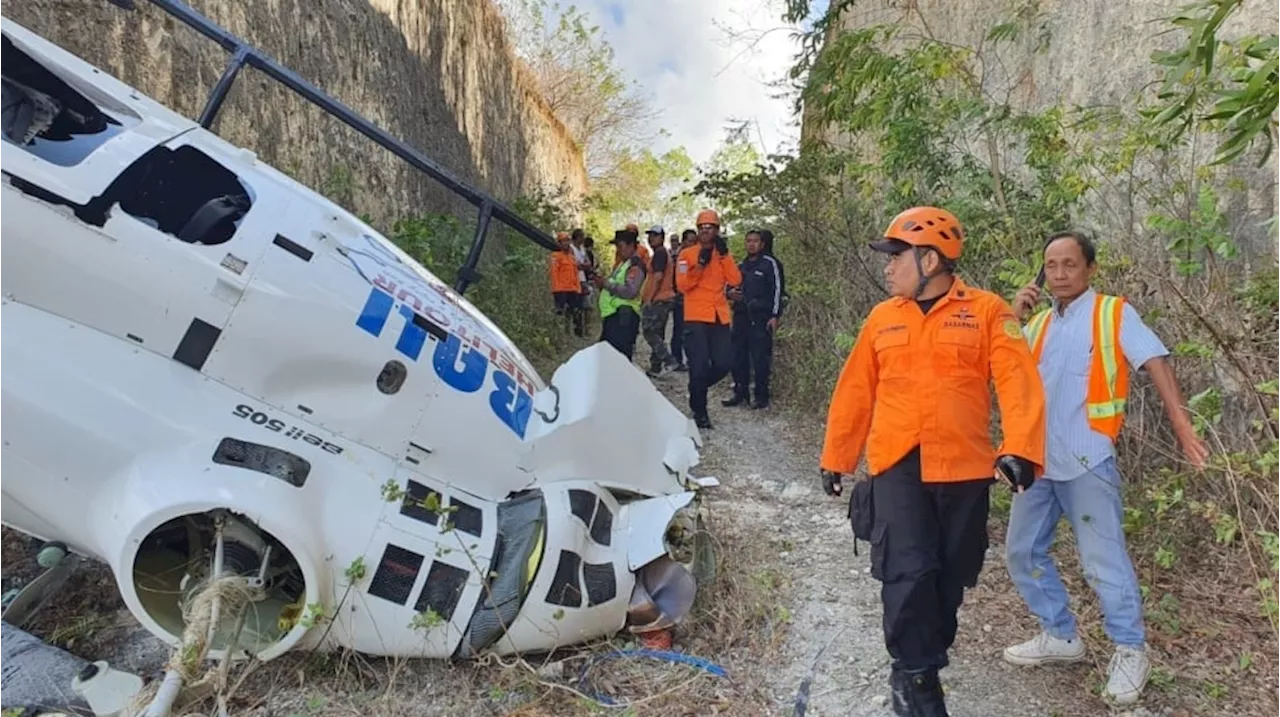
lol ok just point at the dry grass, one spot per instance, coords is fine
(1212, 651)
(735, 624)
(1209, 627)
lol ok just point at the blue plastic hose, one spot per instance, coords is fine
(663, 655)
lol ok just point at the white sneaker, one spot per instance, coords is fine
(1044, 648)
(1129, 670)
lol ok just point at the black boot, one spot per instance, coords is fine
(917, 694)
(702, 420)
(737, 400)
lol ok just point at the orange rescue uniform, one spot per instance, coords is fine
(703, 287)
(564, 272)
(659, 285)
(923, 379)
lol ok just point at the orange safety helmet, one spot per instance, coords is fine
(633, 228)
(562, 236)
(707, 216)
(924, 227)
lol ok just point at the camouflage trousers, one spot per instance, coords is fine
(653, 324)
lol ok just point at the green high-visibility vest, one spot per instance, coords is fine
(609, 303)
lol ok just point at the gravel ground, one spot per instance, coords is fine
(767, 462)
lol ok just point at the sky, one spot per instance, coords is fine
(684, 56)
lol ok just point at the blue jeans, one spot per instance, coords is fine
(1092, 504)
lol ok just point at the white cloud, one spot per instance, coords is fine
(696, 74)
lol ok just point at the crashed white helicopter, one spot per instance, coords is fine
(211, 370)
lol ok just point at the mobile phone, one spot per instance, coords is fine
(1040, 279)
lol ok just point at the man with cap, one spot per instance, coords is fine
(642, 251)
(915, 394)
(703, 273)
(658, 299)
(620, 295)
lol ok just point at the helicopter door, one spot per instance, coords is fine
(295, 342)
(159, 258)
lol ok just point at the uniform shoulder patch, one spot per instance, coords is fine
(1012, 329)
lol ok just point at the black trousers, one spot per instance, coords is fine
(928, 543)
(752, 353)
(569, 305)
(710, 351)
(620, 330)
(677, 330)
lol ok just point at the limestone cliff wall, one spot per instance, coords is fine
(1079, 53)
(439, 74)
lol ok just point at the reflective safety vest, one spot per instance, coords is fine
(1108, 371)
(609, 303)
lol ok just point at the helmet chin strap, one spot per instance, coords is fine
(924, 280)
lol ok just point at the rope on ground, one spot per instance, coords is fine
(802, 695)
(669, 656)
(183, 672)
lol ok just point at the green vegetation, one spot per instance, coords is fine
(514, 272)
(1161, 182)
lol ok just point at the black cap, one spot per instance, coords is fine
(624, 235)
(890, 246)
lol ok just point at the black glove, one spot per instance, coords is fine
(831, 483)
(704, 256)
(722, 246)
(1017, 470)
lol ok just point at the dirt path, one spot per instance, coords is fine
(767, 464)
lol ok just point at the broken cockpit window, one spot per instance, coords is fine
(47, 117)
(183, 192)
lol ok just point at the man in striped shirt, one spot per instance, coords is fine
(1084, 346)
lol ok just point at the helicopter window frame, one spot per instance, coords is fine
(49, 116)
(182, 191)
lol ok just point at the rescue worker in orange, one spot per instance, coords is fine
(566, 290)
(703, 272)
(914, 393)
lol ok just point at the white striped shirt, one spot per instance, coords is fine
(777, 285)
(579, 256)
(1071, 446)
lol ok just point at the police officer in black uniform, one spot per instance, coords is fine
(757, 307)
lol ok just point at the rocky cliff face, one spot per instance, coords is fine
(439, 74)
(1077, 53)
